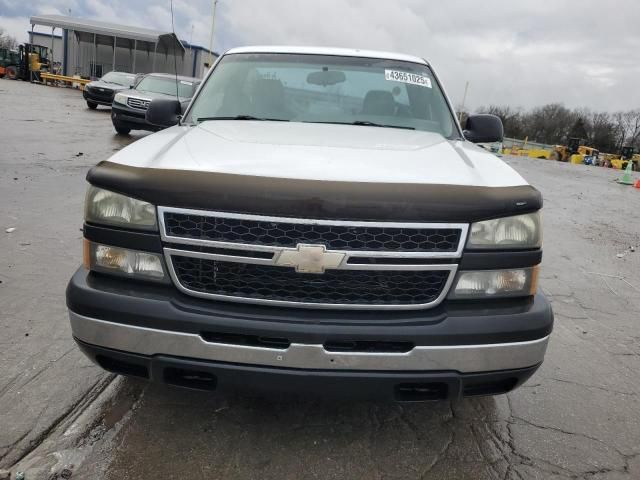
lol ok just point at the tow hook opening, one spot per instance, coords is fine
(420, 392)
(122, 367)
(187, 378)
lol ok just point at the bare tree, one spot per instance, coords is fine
(628, 126)
(7, 41)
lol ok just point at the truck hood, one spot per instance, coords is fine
(317, 171)
(107, 85)
(149, 95)
(306, 151)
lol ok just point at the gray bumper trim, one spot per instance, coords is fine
(460, 358)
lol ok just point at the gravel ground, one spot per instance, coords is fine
(578, 417)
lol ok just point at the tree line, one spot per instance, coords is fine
(7, 41)
(555, 124)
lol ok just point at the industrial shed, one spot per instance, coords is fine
(92, 48)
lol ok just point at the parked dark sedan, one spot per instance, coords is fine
(101, 92)
(129, 107)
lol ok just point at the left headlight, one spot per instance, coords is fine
(110, 208)
(120, 98)
(517, 232)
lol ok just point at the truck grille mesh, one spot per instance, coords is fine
(334, 237)
(348, 287)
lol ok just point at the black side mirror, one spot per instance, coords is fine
(483, 128)
(164, 113)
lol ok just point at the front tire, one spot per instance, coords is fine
(122, 130)
(92, 105)
(12, 73)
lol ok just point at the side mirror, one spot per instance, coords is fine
(164, 113)
(483, 128)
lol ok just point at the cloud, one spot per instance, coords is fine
(522, 53)
(16, 27)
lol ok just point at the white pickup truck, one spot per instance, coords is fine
(315, 221)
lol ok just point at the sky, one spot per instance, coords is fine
(582, 53)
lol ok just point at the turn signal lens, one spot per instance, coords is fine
(122, 261)
(519, 282)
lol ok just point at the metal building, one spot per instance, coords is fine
(92, 48)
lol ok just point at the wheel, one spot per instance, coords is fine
(12, 73)
(92, 105)
(122, 130)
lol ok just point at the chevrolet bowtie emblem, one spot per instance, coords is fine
(310, 258)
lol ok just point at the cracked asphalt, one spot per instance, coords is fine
(578, 417)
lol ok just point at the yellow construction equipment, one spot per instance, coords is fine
(621, 160)
(575, 153)
(562, 153)
(539, 153)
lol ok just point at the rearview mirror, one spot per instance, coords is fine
(164, 113)
(483, 128)
(325, 78)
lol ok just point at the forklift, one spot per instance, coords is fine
(28, 62)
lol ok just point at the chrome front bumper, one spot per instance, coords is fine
(459, 358)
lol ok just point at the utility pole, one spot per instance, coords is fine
(213, 24)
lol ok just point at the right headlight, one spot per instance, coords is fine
(517, 232)
(105, 207)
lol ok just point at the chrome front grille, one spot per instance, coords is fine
(138, 103)
(310, 263)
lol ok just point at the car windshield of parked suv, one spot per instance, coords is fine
(119, 78)
(166, 85)
(324, 89)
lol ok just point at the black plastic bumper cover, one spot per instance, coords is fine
(163, 307)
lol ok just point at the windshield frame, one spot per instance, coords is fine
(457, 130)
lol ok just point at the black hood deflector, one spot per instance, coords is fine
(412, 202)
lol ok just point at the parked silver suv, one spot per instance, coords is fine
(129, 106)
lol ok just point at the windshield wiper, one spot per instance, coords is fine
(366, 123)
(242, 117)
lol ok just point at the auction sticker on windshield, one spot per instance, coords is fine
(404, 77)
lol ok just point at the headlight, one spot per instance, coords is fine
(124, 262)
(110, 208)
(517, 282)
(519, 232)
(120, 98)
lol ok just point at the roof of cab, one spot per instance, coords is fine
(348, 52)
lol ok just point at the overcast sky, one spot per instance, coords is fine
(583, 53)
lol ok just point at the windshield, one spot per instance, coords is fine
(166, 85)
(324, 89)
(125, 79)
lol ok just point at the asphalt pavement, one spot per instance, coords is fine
(578, 417)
